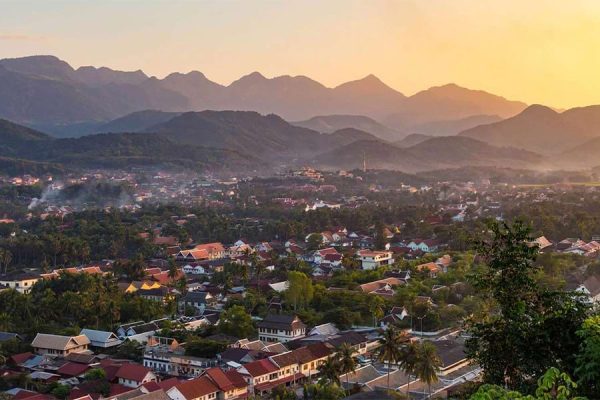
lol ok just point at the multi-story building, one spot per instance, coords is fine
(374, 259)
(280, 328)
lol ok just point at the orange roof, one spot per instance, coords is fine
(210, 247)
(430, 266)
(198, 387)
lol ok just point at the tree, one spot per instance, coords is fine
(588, 358)
(376, 304)
(204, 348)
(346, 361)
(300, 291)
(323, 392)
(130, 349)
(95, 374)
(236, 321)
(552, 385)
(529, 329)
(408, 361)
(314, 241)
(173, 270)
(61, 391)
(330, 370)
(380, 239)
(427, 364)
(390, 350)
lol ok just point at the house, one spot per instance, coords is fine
(311, 357)
(72, 370)
(426, 246)
(21, 282)
(201, 388)
(431, 268)
(198, 300)
(357, 341)
(322, 271)
(374, 259)
(242, 356)
(402, 275)
(122, 330)
(207, 251)
(134, 286)
(101, 339)
(134, 375)
(382, 287)
(543, 244)
(44, 343)
(288, 372)
(280, 328)
(452, 355)
(194, 269)
(259, 375)
(324, 329)
(160, 294)
(142, 332)
(231, 383)
(590, 288)
(319, 256)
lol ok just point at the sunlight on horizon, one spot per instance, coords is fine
(537, 52)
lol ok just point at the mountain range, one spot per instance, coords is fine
(541, 129)
(233, 141)
(99, 117)
(46, 92)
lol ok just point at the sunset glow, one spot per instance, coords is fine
(537, 52)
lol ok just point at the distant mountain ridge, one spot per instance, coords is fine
(237, 141)
(331, 123)
(541, 129)
(431, 154)
(42, 90)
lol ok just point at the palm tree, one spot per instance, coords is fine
(346, 361)
(390, 350)
(427, 364)
(172, 272)
(330, 370)
(408, 361)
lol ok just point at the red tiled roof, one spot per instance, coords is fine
(72, 369)
(111, 371)
(151, 386)
(133, 372)
(219, 378)
(21, 358)
(198, 387)
(236, 378)
(26, 394)
(285, 359)
(260, 367)
(319, 350)
(116, 389)
(168, 383)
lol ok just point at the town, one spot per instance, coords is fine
(216, 297)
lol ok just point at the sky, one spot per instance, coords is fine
(540, 51)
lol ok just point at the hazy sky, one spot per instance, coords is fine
(538, 51)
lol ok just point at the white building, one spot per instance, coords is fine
(280, 328)
(373, 259)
